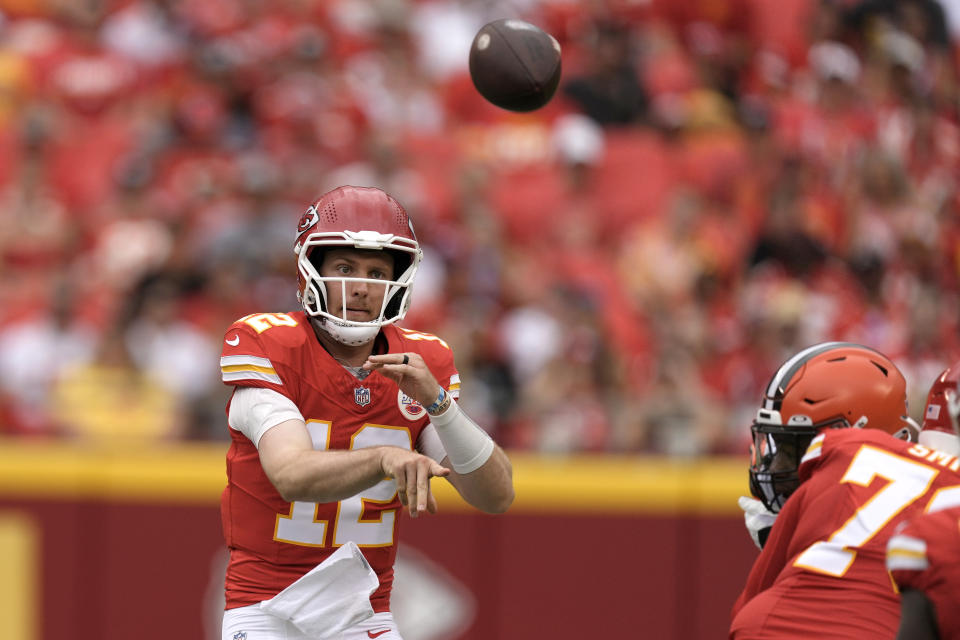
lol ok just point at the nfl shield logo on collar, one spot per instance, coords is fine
(361, 395)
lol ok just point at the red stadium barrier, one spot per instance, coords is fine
(117, 544)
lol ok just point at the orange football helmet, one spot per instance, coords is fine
(827, 385)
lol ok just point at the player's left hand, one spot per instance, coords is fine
(410, 373)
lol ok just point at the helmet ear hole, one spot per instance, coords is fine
(316, 294)
(312, 300)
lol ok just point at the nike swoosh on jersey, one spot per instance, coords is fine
(371, 634)
(235, 341)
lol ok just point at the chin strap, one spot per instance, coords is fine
(350, 336)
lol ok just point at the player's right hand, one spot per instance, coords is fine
(412, 472)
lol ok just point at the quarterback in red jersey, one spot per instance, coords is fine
(924, 556)
(339, 419)
(822, 570)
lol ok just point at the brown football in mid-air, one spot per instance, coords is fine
(515, 65)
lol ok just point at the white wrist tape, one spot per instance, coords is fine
(468, 446)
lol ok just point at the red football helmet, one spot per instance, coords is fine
(828, 385)
(942, 412)
(362, 218)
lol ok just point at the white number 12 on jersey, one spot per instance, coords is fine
(301, 525)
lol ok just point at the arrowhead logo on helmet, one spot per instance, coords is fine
(307, 220)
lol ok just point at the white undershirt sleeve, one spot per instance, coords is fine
(254, 411)
(429, 444)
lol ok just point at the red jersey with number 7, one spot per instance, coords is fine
(273, 542)
(822, 572)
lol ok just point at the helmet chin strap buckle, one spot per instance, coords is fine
(861, 423)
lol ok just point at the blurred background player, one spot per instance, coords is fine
(924, 557)
(338, 418)
(845, 406)
(940, 413)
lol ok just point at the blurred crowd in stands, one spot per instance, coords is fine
(716, 184)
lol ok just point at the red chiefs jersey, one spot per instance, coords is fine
(925, 555)
(273, 542)
(822, 572)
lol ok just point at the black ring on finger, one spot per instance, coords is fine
(406, 359)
